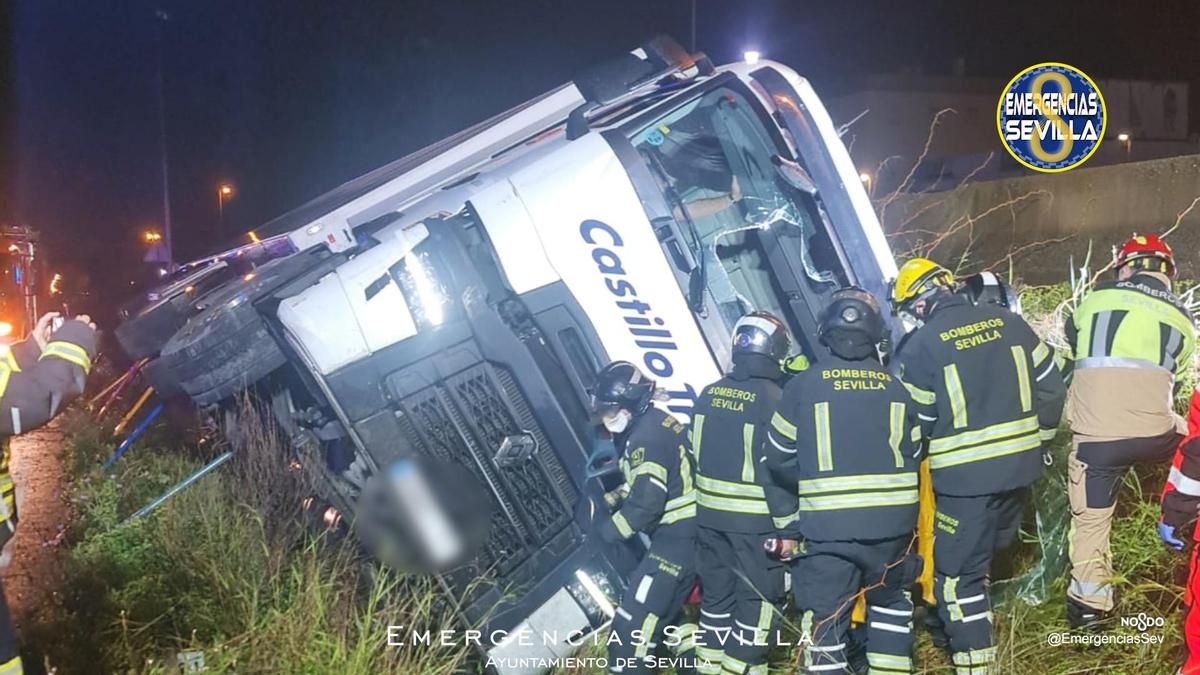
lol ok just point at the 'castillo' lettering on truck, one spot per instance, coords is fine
(650, 333)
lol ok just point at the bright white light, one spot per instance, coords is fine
(751, 57)
(427, 290)
(596, 594)
(162, 271)
(864, 177)
(1122, 137)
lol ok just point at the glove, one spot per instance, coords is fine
(1167, 534)
(614, 498)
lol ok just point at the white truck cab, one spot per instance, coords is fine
(455, 305)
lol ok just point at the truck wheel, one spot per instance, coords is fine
(222, 351)
(147, 329)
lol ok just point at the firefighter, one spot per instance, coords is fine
(38, 376)
(729, 426)
(1131, 342)
(1180, 502)
(661, 503)
(843, 439)
(980, 288)
(987, 393)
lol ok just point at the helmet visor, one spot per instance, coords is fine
(604, 410)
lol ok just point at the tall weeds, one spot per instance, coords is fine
(224, 569)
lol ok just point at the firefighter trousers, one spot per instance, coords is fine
(968, 531)
(1094, 473)
(652, 604)
(825, 580)
(740, 585)
(10, 657)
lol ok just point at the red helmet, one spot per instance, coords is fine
(1147, 252)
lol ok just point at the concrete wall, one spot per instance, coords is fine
(900, 107)
(1022, 217)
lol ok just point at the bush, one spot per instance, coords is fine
(208, 572)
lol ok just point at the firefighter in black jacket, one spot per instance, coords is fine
(38, 377)
(988, 394)
(661, 503)
(729, 429)
(843, 439)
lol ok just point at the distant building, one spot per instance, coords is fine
(886, 141)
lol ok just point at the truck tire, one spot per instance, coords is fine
(226, 346)
(221, 351)
(146, 329)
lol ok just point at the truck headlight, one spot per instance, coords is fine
(594, 593)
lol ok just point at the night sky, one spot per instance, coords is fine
(288, 99)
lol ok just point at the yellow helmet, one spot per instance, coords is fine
(918, 276)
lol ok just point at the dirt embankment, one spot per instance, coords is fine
(32, 571)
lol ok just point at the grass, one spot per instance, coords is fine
(207, 572)
(225, 569)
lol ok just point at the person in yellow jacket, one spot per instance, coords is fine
(1132, 341)
(38, 377)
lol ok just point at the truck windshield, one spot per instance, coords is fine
(719, 168)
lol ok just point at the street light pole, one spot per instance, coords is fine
(224, 190)
(160, 19)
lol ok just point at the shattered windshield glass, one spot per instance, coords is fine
(727, 186)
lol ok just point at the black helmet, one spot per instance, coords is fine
(761, 333)
(852, 324)
(986, 287)
(618, 385)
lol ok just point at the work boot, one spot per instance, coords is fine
(856, 650)
(1083, 617)
(933, 623)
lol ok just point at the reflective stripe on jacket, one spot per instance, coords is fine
(1181, 494)
(844, 438)
(1131, 341)
(34, 387)
(988, 393)
(728, 431)
(657, 465)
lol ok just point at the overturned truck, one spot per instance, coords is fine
(455, 305)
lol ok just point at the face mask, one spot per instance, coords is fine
(618, 422)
